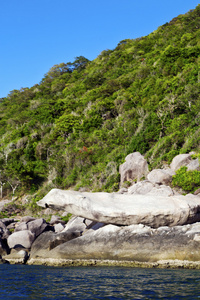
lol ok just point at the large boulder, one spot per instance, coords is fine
(27, 219)
(21, 226)
(56, 220)
(22, 238)
(36, 226)
(161, 190)
(17, 256)
(150, 188)
(49, 240)
(184, 160)
(160, 176)
(134, 168)
(82, 225)
(141, 187)
(76, 224)
(130, 243)
(125, 209)
(59, 227)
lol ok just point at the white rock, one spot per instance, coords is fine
(184, 160)
(130, 243)
(59, 227)
(162, 190)
(76, 224)
(22, 238)
(193, 165)
(151, 210)
(134, 168)
(142, 187)
(159, 176)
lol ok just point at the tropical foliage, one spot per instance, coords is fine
(77, 125)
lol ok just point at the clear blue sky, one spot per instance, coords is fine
(37, 34)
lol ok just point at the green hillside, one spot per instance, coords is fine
(77, 125)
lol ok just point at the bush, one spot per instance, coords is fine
(189, 181)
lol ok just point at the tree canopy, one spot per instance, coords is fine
(83, 116)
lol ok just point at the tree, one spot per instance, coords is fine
(2, 182)
(80, 63)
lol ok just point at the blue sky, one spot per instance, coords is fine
(37, 34)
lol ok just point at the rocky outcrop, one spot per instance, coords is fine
(160, 176)
(147, 222)
(134, 168)
(22, 238)
(18, 256)
(147, 187)
(133, 243)
(125, 209)
(184, 160)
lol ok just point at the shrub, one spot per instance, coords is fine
(189, 181)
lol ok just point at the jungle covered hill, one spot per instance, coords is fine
(74, 128)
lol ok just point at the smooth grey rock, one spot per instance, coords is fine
(22, 238)
(141, 188)
(162, 190)
(42, 242)
(17, 256)
(49, 240)
(93, 227)
(76, 224)
(59, 227)
(151, 210)
(56, 220)
(134, 243)
(37, 226)
(159, 176)
(170, 171)
(147, 187)
(27, 219)
(21, 226)
(193, 165)
(134, 168)
(82, 225)
(184, 160)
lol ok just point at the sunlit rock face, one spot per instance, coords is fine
(125, 209)
(185, 160)
(134, 168)
(134, 243)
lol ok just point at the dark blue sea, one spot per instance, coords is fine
(39, 282)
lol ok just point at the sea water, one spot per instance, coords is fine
(40, 282)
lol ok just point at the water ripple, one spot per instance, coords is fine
(39, 282)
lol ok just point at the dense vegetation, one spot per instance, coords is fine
(77, 125)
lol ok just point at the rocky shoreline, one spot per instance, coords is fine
(147, 225)
(165, 264)
(88, 243)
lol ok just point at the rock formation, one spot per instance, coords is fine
(134, 242)
(134, 168)
(125, 209)
(147, 222)
(184, 160)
